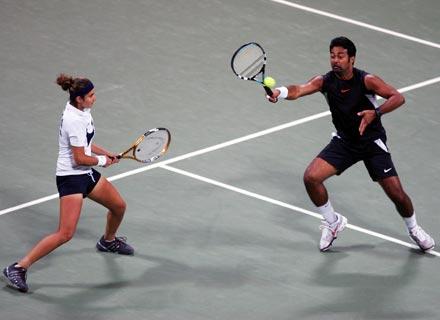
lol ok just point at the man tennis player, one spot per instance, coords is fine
(351, 96)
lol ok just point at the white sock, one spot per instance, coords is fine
(411, 222)
(328, 212)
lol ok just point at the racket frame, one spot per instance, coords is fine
(262, 71)
(130, 153)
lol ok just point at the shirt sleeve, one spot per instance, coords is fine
(325, 78)
(76, 132)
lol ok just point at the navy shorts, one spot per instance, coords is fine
(81, 183)
(342, 154)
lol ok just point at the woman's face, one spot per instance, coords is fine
(88, 100)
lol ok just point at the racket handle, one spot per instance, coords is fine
(268, 90)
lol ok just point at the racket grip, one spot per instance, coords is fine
(268, 90)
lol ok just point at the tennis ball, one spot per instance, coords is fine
(269, 82)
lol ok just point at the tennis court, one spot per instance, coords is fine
(222, 226)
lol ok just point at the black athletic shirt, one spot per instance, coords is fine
(345, 99)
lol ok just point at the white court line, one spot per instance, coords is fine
(358, 23)
(28, 204)
(420, 85)
(180, 158)
(289, 206)
(212, 148)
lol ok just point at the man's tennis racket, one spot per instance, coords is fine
(149, 146)
(249, 62)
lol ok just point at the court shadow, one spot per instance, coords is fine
(298, 223)
(159, 274)
(365, 295)
(350, 248)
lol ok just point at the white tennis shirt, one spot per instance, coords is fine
(76, 129)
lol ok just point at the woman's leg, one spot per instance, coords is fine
(106, 194)
(70, 210)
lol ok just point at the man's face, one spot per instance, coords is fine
(340, 62)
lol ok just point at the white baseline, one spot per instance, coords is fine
(358, 23)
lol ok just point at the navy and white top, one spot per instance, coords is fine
(76, 129)
(346, 98)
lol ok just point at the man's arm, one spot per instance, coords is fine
(297, 91)
(394, 99)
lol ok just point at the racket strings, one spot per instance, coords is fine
(254, 68)
(152, 146)
(249, 61)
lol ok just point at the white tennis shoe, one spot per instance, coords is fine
(330, 231)
(421, 238)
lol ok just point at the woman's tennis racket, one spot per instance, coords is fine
(149, 146)
(249, 62)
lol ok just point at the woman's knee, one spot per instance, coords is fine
(119, 207)
(122, 206)
(65, 236)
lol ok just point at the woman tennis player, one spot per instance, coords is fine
(76, 180)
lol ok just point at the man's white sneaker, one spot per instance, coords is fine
(421, 238)
(330, 231)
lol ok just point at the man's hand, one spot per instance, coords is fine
(367, 117)
(274, 97)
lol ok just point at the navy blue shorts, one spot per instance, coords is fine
(342, 154)
(81, 183)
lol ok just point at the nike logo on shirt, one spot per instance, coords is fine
(344, 90)
(386, 170)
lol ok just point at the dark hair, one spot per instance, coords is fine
(344, 43)
(77, 87)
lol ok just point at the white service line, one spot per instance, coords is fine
(254, 135)
(28, 204)
(182, 157)
(225, 144)
(212, 148)
(289, 206)
(358, 23)
(419, 85)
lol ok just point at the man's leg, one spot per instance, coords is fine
(316, 173)
(394, 190)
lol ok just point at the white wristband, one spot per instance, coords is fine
(102, 160)
(283, 92)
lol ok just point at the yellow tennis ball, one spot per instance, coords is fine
(269, 82)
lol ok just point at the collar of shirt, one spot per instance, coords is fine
(70, 108)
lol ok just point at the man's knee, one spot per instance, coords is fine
(399, 196)
(311, 177)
